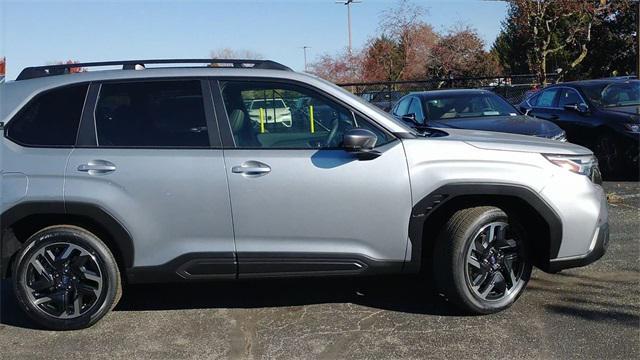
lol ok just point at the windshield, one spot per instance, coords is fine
(269, 104)
(455, 106)
(616, 94)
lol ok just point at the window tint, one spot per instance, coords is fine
(545, 99)
(51, 119)
(416, 109)
(279, 115)
(403, 107)
(533, 101)
(569, 97)
(151, 114)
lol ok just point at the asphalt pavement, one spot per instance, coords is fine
(590, 312)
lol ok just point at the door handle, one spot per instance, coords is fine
(97, 167)
(251, 168)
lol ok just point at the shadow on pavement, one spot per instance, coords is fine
(601, 298)
(388, 293)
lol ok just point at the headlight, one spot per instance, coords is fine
(631, 127)
(586, 165)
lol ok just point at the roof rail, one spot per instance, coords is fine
(60, 69)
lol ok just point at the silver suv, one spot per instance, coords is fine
(161, 174)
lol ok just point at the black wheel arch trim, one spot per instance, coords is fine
(119, 236)
(444, 194)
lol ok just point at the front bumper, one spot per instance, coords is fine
(598, 247)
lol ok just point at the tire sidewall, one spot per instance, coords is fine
(91, 243)
(460, 262)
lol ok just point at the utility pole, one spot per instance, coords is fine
(304, 49)
(348, 4)
(638, 39)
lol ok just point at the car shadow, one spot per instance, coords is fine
(401, 294)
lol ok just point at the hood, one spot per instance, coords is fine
(510, 142)
(520, 124)
(633, 111)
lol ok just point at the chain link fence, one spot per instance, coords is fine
(384, 94)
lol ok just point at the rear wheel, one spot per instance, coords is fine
(66, 278)
(481, 261)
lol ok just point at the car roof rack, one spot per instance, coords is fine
(60, 69)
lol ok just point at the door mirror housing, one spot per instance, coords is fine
(361, 143)
(410, 118)
(581, 108)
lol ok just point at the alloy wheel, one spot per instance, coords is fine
(494, 264)
(63, 280)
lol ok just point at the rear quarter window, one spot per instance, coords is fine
(51, 119)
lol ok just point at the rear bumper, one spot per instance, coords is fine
(598, 247)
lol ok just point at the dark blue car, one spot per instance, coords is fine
(471, 109)
(603, 115)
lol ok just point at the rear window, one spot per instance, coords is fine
(157, 114)
(50, 119)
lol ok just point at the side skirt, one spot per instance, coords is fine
(214, 266)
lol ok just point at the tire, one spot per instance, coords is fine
(71, 296)
(477, 279)
(609, 155)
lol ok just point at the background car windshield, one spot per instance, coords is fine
(271, 104)
(614, 94)
(466, 105)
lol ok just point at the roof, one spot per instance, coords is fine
(446, 92)
(619, 80)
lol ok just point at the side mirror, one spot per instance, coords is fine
(409, 117)
(581, 108)
(361, 143)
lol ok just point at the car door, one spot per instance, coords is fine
(301, 204)
(149, 155)
(544, 106)
(573, 117)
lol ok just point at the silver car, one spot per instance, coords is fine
(161, 175)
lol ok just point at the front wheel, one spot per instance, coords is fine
(66, 278)
(481, 261)
(609, 155)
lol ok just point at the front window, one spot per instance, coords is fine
(608, 95)
(569, 97)
(281, 115)
(454, 106)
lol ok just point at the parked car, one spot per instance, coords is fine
(274, 111)
(382, 99)
(133, 174)
(471, 109)
(603, 115)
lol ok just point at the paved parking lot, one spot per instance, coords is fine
(593, 312)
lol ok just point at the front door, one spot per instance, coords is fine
(300, 203)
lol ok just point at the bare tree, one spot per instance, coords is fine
(554, 26)
(343, 68)
(228, 53)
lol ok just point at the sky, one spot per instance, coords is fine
(43, 32)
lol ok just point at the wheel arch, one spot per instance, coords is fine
(536, 215)
(21, 221)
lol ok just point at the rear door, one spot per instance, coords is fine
(149, 154)
(301, 204)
